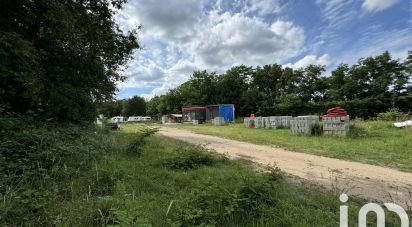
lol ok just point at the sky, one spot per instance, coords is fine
(182, 36)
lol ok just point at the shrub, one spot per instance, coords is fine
(357, 132)
(255, 198)
(136, 146)
(394, 114)
(317, 130)
(35, 157)
(188, 159)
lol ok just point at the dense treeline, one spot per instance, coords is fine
(59, 58)
(373, 85)
(134, 106)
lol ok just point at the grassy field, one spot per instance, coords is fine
(172, 183)
(374, 142)
(126, 179)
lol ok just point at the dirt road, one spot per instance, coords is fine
(366, 181)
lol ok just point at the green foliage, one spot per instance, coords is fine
(59, 58)
(114, 188)
(188, 159)
(317, 130)
(356, 131)
(394, 114)
(36, 156)
(135, 106)
(136, 145)
(371, 86)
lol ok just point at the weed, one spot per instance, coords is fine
(188, 159)
(136, 146)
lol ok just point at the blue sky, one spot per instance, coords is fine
(181, 36)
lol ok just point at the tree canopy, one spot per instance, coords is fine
(370, 86)
(59, 58)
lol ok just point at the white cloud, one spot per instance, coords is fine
(378, 5)
(263, 7)
(180, 37)
(310, 60)
(230, 39)
(167, 19)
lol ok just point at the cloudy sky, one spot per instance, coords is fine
(180, 36)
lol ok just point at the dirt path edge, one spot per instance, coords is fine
(373, 183)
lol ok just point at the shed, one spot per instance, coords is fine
(227, 111)
(208, 113)
(191, 113)
(172, 118)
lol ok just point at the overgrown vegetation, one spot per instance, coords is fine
(36, 158)
(187, 158)
(394, 114)
(374, 142)
(84, 176)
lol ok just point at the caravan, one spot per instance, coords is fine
(118, 119)
(138, 118)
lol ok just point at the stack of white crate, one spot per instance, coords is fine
(273, 121)
(314, 118)
(285, 121)
(259, 122)
(267, 122)
(246, 122)
(279, 121)
(219, 121)
(336, 125)
(301, 125)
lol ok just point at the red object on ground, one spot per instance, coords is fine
(252, 116)
(335, 112)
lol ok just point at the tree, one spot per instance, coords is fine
(337, 83)
(110, 108)
(60, 58)
(136, 106)
(311, 86)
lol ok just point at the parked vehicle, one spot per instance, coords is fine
(118, 119)
(113, 125)
(138, 118)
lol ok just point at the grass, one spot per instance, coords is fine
(169, 183)
(173, 183)
(373, 142)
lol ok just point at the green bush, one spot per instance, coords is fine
(317, 130)
(136, 146)
(188, 159)
(36, 157)
(394, 114)
(255, 198)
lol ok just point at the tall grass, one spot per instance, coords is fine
(99, 182)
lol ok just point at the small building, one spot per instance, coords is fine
(208, 113)
(172, 118)
(191, 113)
